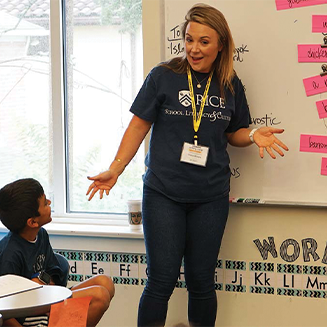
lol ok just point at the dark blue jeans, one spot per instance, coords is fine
(174, 230)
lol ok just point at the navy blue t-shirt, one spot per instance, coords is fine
(23, 258)
(164, 99)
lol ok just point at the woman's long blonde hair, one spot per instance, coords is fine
(212, 17)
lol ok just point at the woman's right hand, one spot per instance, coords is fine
(102, 182)
(133, 137)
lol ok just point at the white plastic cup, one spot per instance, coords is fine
(135, 214)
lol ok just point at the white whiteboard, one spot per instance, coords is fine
(268, 66)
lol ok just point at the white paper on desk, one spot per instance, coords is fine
(13, 284)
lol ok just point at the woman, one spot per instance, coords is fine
(195, 105)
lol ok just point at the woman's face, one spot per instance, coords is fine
(201, 46)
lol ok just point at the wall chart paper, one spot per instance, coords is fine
(322, 108)
(289, 4)
(315, 85)
(319, 23)
(311, 53)
(324, 166)
(313, 143)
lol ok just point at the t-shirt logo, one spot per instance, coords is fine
(39, 263)
(184, 98)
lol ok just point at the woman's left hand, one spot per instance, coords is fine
(264, 138)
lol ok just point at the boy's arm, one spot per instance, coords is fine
(11, 322)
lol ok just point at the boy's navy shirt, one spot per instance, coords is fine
(164, 99)
(23, 258)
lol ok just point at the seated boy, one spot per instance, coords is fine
(26, 250)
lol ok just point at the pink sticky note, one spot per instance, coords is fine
(315, 85)
(319, 23)
(313, 143)
(289, 4)
(311, 53)
(322, 108)
(70, 312)
(324, 166)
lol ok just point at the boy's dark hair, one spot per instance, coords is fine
(19, 201)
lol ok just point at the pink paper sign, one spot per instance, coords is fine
(313, 143)
(322, 108)
(311, 53)
(289, 4)
(315, 85)
(324, 166)
(319, 23)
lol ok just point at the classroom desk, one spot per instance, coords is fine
(34, 302)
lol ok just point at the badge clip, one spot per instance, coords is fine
(195, 139)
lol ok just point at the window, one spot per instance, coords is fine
(25, 140)
(102, 72)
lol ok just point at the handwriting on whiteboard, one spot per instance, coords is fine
(235, 172)
(239, 52)
(175, 45)
(266, 120)
(175, 41)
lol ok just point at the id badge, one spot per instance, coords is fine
(194, 154)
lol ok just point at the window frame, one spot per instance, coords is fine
(59, 124)
(58, 105)
(153, 52)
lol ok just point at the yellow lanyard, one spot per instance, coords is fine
(197, 117)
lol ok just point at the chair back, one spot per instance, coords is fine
(64, 265)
